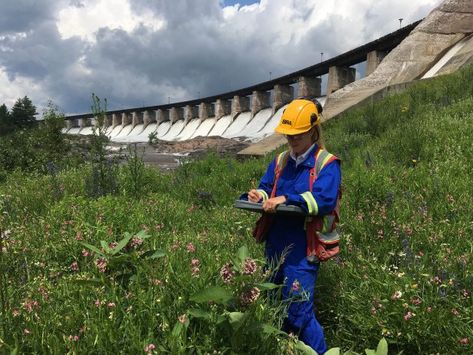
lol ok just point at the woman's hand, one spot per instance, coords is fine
(254, 196)
(271, 204)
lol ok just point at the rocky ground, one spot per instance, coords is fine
(168, 155)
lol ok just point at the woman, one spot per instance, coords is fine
(290, 179)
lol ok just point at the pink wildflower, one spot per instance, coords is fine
(15, 312)
(464, 341)
(195, 262)
(295, 286)
(227, 273)
(182, 318)
(429, 309)
(111, 304)
(175, 246)
(26, 331)
(373, 310)
(149, 348)
(85, 253)
(79, 236)
(190, 248)
(73, 338)
(101, 264)
(97, 303)
(455, 312)
(409, 315)
(74, 266)
(396, 295)
(416, 301)
(156, 282)
(250, 296)
(465, 293)
(249, 267)
(136, 242)
(112, 245)
(30, 305)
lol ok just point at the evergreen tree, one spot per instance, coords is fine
(23, 113)
(5, 120)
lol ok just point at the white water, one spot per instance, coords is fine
(204, 128)
(174, 131)
(237, 125)
(190, 128)
(256, 123)
(163, 128)
(221, 126)
(123, 133)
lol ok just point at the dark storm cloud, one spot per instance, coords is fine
(24, 15)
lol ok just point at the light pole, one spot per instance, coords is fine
(270, 75)
(169, 99)
(400, 22)
(321, 57)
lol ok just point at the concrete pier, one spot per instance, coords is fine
(116, 120)
(85, 122)
(373, 59)
(260, 100)
(309, 87)
(222, 108)
(190, 112)
(282, 95)
(136, 118)
(126, 119)
(148, 117)
(205, 111)
(240, 104)
(72, 124)
(176, 114)
(162, 115)
(338, 77)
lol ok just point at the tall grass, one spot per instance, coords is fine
(81, 278)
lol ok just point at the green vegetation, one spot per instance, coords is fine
(164, 264)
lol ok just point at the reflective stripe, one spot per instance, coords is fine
(329, 156)
(311, 203)
(330, 238)
(264, 194)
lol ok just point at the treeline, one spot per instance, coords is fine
(22, 115)
(30, 144)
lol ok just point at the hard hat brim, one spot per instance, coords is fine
(291, 131)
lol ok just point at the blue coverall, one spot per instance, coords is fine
(288, 232)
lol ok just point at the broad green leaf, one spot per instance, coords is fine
(94, 249)
(370, 352)
(90, 282)
(105, 246)
(212, 294)
(333, 351)
(142, 234)
(269, 330)
(200, 313)
(382, 348)
(350, 352)
(153, 254)
(176, 331)
(243, 253)
(122, 243)
(267, 286)
(235, 317)
(304, 349)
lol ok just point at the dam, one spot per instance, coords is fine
(440, 43)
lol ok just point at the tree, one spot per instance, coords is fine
(5, 120)
(23, 113)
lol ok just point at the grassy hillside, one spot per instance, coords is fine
(79, 276)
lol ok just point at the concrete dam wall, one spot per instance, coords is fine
(439, 44)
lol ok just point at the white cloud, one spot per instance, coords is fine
(84, 21)
(139, 52)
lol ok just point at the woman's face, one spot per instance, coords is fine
(299, 143)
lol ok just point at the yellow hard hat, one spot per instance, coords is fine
(299, 117)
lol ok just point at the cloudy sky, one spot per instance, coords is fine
(143, 52)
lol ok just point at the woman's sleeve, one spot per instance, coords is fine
(266, 184)
(323, 198)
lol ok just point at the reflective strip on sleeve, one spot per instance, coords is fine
(311, 203)
(264, 194)
(327, 158)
